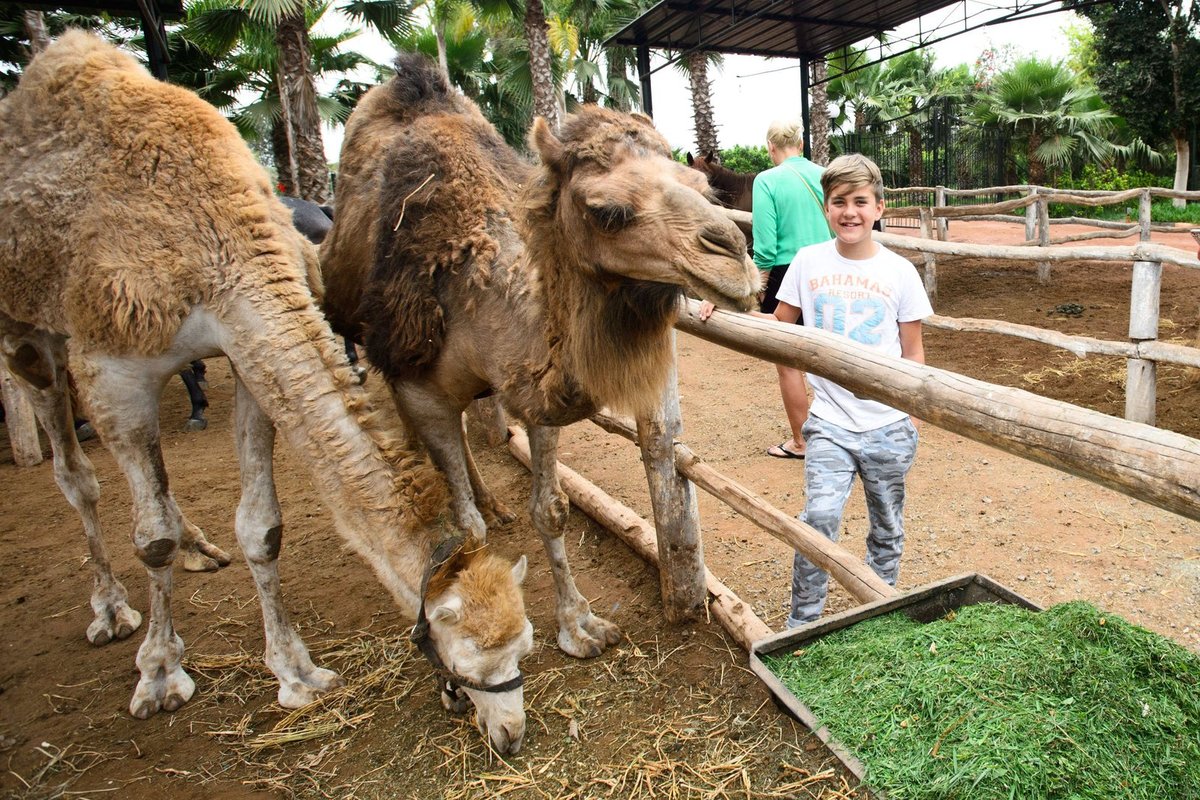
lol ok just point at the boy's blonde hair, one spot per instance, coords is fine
(786, 133)
(852, 171)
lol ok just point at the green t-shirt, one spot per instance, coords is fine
(787, 215)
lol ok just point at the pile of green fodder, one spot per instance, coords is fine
(996, 701)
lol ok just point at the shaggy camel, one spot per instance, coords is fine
(138, 233)
(468, 270)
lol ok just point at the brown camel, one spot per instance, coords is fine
(139, 234)
(468, 270)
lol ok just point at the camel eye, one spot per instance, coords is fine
(611, 218)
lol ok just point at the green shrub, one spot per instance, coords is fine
(746, 159)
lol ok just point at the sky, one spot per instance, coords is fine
(749, 92)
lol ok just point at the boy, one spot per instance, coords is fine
(854, 287)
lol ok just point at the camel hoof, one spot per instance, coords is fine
(115, 623)
(194, 425)
(304, 690)
(167, 693)
(360, 374)
(85, 432)
(499, 515)
(457, 703)
(195, 561)
(589, 637)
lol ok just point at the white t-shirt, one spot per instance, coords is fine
(864, 300)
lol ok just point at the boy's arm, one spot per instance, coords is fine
(783, 312)
(912, 346)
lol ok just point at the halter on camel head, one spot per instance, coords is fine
(448, 680)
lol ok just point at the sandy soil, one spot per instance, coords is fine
(668, 710)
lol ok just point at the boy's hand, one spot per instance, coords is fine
(706, 310)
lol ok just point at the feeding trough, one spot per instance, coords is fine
(925, 604)
(963, 688)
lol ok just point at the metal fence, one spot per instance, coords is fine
(937, 149)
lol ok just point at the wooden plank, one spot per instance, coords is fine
(726, 607)
(842, 565)
(1156, 466)
(1081, 346)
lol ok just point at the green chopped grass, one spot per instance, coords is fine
(995, 701)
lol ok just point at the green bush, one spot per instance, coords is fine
(1111, 179)
(746, 159)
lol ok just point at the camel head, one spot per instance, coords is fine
(613, 201)
(478, 628)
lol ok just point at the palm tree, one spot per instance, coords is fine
(702, 110)
(917, 86)
(855, 86)
(819, 113)
(1049, 111)
(225, 50)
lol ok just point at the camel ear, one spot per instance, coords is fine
(690, 161)
(547, 145)
(447, 611)
(519, 569)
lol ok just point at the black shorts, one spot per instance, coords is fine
(769, 301)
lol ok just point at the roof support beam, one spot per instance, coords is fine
(643, 65)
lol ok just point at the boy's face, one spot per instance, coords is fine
(851, 212)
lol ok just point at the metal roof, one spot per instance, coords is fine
(810, 29)
(167, 9)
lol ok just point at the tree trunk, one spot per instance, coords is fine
(298, 97)
(537, 36)
(916, 157)
(281, 152)
(819, 113)
(1183, 157)
(439, 31)
(702, 112)
(35, 29)
(1037, 170)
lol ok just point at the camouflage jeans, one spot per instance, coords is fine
(834, 456)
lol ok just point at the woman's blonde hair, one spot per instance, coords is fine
(786, 133)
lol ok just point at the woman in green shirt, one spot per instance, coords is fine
(788, 214)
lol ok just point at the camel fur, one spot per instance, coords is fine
(468, 270)
(138, 234)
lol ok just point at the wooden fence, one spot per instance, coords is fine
(1142, 352)
(1156, 466)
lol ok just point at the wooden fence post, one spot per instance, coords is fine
(1144, 205)
(676, 513)
(1043, 211)
(943, 224)
(20, 421)
(1031, 218)
(1141, 374)
(930, 259)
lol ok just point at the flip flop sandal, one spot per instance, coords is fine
(779, 451)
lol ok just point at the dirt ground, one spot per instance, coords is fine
(669, 712)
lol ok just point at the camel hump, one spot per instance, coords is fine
(418, 81)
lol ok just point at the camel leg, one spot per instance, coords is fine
(124, 399)
(260, 533)
(40, 362)
(438, 422)
(494, 510)
(580, 632)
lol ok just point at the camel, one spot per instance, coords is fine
(139, 234)
(467, 270)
